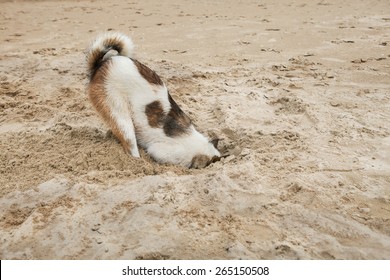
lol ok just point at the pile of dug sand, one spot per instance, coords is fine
(298, 91)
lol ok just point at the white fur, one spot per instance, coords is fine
(100, 42)
(128, 94)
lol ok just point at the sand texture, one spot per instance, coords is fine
(298, 90)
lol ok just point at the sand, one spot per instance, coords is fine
(298, 90)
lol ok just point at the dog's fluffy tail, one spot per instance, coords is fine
(100, 49)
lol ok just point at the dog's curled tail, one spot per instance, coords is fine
(100, 49)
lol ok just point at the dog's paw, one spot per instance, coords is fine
(135, 152)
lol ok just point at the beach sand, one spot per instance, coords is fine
(298, 90)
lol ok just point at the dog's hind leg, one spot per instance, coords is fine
(116, 113)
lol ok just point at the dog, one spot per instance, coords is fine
(136, 104)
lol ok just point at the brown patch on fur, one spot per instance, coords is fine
(97, 95)
(155, 113)
(200, 161)
(147, 73)
(176, 122)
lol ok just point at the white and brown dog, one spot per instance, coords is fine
(136, 105)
